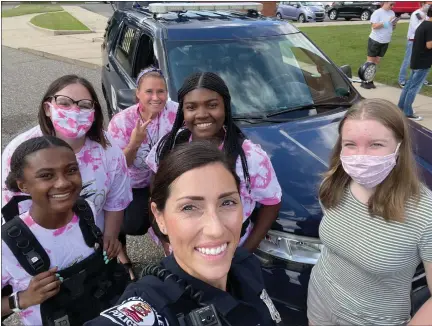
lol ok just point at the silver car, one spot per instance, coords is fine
(301, 11)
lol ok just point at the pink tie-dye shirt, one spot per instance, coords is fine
(265, 188)
(57, 244)
(120, 128)
(104, 174)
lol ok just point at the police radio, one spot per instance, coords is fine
(206, 315)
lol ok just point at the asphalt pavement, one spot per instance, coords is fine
(25, 78)
(99, 8)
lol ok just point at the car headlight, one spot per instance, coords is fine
(309, 10)
(291, 247)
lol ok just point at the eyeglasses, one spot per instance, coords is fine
(67, 102)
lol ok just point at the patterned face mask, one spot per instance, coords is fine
(368, 170)
(72, 122)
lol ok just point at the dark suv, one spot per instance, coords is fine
(287, 96)
(352, 9)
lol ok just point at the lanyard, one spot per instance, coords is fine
(151, 142)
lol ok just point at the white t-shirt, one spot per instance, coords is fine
(382, 35)
(57, 244)
(414, 23)
(104, 174)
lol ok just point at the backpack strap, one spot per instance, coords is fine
(25, 247)
(11, 209)
(91, 233)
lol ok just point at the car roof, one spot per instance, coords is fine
(206, 25)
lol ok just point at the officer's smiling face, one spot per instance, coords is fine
(203, 218)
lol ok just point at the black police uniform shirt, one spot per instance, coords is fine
(421, 57)
(152, 301)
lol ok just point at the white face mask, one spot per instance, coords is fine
(72, 122)
(425, 8)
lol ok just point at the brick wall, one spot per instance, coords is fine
(269, 8)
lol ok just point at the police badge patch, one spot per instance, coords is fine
(134, 312)
(269, 303)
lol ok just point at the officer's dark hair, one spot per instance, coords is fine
(232, 144)
(96, 132)
(429, 13)
(181, 159)
(19, 157)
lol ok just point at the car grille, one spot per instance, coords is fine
(319, 15)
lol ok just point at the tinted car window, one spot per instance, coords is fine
(265, 75)
(125, 47)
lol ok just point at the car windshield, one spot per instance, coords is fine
(264, 75)
(319, 4)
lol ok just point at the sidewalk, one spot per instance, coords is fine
(422, 104)
(82, 49)
(85, 50)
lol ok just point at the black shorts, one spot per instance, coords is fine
(136, 219)
(376, 49)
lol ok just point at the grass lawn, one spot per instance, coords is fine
(30, 9)
(58, 21)
(348, 45)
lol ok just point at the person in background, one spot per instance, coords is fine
(417, 17)
(383, 23)
(70, 110)
(205, 113)
(197, 207)
(136, 130)
(421, 62)
(377, 222)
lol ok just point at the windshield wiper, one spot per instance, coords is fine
(258, 119)
(307, 107)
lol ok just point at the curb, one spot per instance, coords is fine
(59, 32)
(61, 58)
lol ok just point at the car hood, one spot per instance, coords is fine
(299, 151)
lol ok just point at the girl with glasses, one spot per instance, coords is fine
(70, 110)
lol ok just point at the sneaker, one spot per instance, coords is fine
(401, 85)
(414, 117)
(367, 85)
(426, 83)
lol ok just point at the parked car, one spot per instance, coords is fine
(405, 7)
(327, 5)
(287, 96)
(352, 9)
(300, 11)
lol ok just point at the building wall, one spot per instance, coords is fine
(269, 9)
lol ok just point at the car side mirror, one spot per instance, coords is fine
(297, 6)
(346, 69)
(126, 98)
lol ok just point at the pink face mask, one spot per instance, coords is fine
(368, 170)
(73, 122)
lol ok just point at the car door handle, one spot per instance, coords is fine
(107, 67)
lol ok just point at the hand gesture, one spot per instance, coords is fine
(139, 133)
(111, 246)
(42, 287)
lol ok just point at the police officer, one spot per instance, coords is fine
(207, 280)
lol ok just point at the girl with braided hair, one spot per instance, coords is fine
(205, 113)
